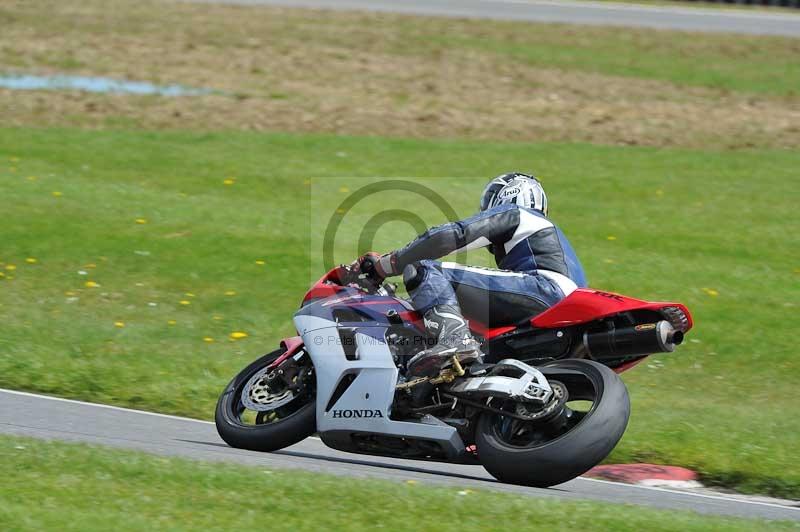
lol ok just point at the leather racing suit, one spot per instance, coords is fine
(537, 266)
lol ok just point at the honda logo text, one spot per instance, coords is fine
(356, 413)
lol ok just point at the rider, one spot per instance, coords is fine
(538, 268)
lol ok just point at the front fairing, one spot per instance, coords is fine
(355, 365)
(352, 306)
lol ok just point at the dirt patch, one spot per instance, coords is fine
(351, 73)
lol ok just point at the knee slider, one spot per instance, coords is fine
(413, 274)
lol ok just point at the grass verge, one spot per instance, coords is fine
(392, 75)
(128, 259)
(49, 485)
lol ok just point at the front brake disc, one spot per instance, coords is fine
(258, 394)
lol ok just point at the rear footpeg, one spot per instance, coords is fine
(446, 375)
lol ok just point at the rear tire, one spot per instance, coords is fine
(265, 437)
(570, 454)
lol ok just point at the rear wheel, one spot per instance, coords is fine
(265, 408)
(559, 447)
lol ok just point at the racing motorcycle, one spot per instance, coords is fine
(544, 406)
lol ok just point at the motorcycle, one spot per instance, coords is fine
(544, 406)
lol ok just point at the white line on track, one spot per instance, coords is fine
(672, 10)
(581, 12)
(693, 494)
(98, 405)
(179, 418)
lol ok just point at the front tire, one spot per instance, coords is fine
(595, 433)
(271, 436)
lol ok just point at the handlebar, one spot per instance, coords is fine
(349, 276)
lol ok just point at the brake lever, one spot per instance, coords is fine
(365, 281)
(348, 275)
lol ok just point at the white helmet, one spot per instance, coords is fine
(520, 189)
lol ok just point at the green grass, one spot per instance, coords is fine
(715, 230)
(736, 63)
(61, 486)
(751, 63)
(731, 62)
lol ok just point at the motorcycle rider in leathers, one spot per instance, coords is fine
(537, 268)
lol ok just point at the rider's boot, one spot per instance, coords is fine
(445, 323)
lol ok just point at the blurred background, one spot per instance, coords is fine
(166, 169)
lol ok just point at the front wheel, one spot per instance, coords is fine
(265, 408)
(544, 453)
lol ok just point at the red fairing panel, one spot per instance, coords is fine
(628, 365)
(487, 332)
(321, 291)
(292, 345)
(322, 288)
(585, 305)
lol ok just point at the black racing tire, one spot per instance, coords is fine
(570, 454)
(292, 429)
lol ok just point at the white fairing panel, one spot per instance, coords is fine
(365, 406)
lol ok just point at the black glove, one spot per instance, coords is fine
(369, 265)
(376, 266)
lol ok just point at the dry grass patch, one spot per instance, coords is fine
(378, 74)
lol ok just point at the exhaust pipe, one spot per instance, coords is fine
(642, 339)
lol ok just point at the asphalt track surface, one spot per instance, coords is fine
(754, 22)
(51, 418)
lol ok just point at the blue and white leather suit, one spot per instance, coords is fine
(537, 266)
